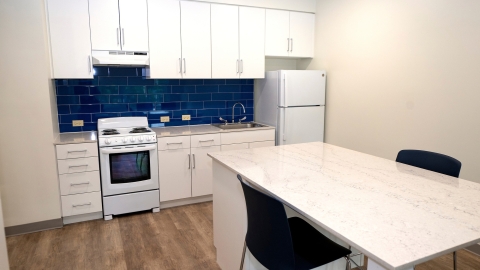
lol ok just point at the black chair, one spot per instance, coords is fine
(433, 162)
(278, 242)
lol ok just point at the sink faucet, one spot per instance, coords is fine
(233, 111)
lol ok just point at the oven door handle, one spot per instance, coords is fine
(127, 150)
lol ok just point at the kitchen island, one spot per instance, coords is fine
(397, 215)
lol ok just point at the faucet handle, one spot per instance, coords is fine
(221, 119)
(240, 120)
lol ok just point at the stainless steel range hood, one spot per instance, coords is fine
(120, 58)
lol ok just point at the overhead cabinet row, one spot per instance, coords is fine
(181, 39)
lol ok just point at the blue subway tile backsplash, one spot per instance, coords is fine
(124, 91)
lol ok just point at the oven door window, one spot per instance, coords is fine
(129, 167)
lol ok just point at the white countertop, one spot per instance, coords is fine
(91, 136)
(396, 214)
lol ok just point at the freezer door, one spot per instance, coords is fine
(302, 88)
(300, 125)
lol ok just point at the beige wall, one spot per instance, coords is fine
(298, 5)
(402, 74)
(28, 179)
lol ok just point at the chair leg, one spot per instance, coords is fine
(243, 254)
(454, 260)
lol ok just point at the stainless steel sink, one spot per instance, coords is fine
(239, 125)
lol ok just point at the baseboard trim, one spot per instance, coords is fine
(474, 249)
(186, 201)
(83, 217)
(34, 227)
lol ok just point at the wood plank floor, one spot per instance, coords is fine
(175, 238)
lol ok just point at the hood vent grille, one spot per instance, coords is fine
(103, 58)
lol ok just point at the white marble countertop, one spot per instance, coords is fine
(397, 215)
(91, 136)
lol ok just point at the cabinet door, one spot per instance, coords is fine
(70, 38)
(105, 25)
(302, 33)
(196, 49)
(252, 42)
(202, 176)
(174, 171)
(277, 32)
(164, 39)
(225, 41)
(237, 146)
(134, 25)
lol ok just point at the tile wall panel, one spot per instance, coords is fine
(123, 91)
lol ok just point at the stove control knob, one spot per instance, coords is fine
(132, 139)
(140, 138)
(148, 138)
(124, 139)
(107, 141)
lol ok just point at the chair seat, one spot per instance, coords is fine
(312, 248)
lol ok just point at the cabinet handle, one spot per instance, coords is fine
(184, 66)
(78, 184)
(75, 151)
(237, 66)
(241, 66)
(89, 65)
(82, 204)
(123, 35)
(189, 161)
(194, 161)
(291, 44)
(180, 64)
(168, 143)
(207, 140)
(288, 44)
(75, 166)
(118, 33)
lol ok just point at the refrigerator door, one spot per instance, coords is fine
(302, 88)
(300, 125)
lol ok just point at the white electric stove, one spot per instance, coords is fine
(128, 165)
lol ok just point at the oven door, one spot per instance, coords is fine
(127, 169)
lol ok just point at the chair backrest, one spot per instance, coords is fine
(430, 161)
(268, 234)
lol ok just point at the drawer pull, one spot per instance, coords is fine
(82, 204)
(74, 166)
(82, 183)
(75, 151)
(207, 140)
(168, 143)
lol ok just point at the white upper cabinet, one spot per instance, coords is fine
(252, 42)
(164, 39)
(289, 34)
(105, 25)
(225, 51)
(134, 24)
(302, 32)
(196, 47)
(69, 31)
(119, 25)
(277, 32)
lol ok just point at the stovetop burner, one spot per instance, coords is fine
(110, 131)
(140, 130)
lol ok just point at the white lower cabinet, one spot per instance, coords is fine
(236, 146)
(202, 176)
(81, 204)
(174, 167)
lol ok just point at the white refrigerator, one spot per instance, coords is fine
(294, 102)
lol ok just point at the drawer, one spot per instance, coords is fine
(75, 183)
(205, 140)
(81, 204)
(261, 144)
(77, 165)
(236, 146)
(178, 142)
(79, 150)
(248, 136)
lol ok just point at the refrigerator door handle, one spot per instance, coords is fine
(285, 104)
(284, 117)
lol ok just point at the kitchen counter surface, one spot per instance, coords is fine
(76, 137)
(91, 136)
(397, 215)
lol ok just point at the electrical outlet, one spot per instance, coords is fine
(164, 119)
(186, 117)
(77, 123)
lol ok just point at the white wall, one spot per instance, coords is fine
(298, 5)
(28, 123)
(402, 74)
